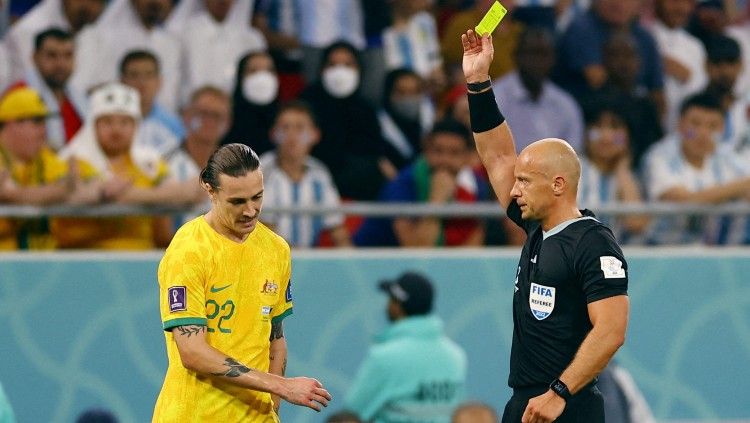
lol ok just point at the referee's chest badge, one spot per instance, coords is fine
(541, 300)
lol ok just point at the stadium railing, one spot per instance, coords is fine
(372, 209)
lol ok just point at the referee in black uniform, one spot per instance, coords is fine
(570, 304)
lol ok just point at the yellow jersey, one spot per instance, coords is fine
(112, 233)
(46, 168)
(235, 289)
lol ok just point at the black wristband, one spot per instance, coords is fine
(479, 86)
(561, 389)
(484, 112)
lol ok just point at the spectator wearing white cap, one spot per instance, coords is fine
(106, 142)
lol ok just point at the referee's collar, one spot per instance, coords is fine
(587, 215)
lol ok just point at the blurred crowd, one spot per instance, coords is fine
(123, 102)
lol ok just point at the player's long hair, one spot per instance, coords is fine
(232, 160)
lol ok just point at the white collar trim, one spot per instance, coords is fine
(557, 229)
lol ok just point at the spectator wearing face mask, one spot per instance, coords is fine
(351, 145)
(294, 179)
(255, 102)
(406, 115)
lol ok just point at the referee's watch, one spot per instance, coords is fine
(561, 389)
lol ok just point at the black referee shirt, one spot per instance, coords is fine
(559, 273)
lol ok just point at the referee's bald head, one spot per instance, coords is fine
(554, 158)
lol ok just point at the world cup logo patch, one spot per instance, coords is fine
(176, 296)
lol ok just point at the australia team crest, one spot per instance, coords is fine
(541, 300)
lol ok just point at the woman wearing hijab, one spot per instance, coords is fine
(106, 143)
(255, 101)
(351, 144)
(406, 115)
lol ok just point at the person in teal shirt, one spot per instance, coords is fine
(6, 412)
(413, 372)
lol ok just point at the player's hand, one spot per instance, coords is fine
(543, 409)
(478, 53)
(306, 392)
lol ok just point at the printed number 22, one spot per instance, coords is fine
(227, 307)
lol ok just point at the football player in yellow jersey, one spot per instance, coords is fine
(224, 289)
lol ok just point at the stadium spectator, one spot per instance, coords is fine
(217, 23)
(411, 42)
(709, 18)
(351, 145)
(414, 372)
(606, 168)
(255, 101)
(534, 105)
(31, 172)
(68, 15)
(207, 116)
(740, 32)
(276, 21)
(682, 54)
(474, 412)
(322, 23)
(160, 129)
(440, 175)
(407, 115)
(125, 26)
(621, 62)
(687, 167)
(377, 17)
(723, 66)
(580, 64)
(240, 13)
(54, 62)
(295, 179)
(504, 39)
(106, 142)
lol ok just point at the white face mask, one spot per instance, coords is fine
(340, 81)
(260, 87)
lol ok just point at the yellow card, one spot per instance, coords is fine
(490, 21)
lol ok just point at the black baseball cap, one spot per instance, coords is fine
(412, 290)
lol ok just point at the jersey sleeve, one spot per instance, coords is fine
(602, 269)
(182, 294)
(283, 307)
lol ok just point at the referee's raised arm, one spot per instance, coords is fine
(491, 133)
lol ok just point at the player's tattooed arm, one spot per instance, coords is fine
(277, 331)
(190, 330)
(233, 368)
